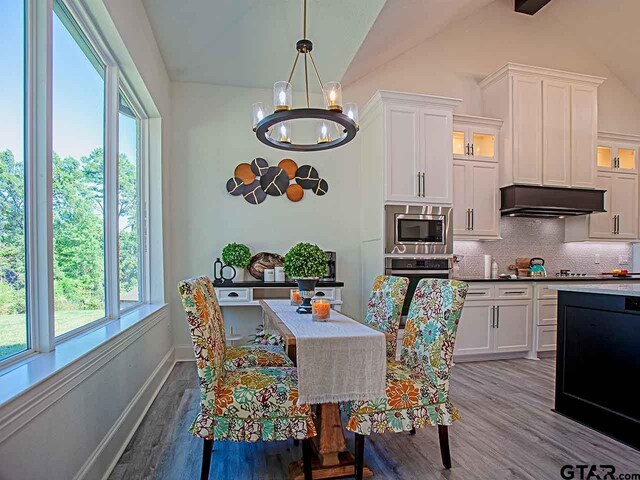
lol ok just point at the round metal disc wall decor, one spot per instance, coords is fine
(259, 166)
(235, 186)
(307, 177)
(274, 182)
(257, 180)
(254, 194)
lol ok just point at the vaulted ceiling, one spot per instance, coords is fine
(251, 42)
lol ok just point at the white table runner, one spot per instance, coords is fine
(338, 360)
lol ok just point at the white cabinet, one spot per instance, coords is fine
(527, 130)
(493, 323)
(402, 132)
(417, 132)
(476, 138)
(476, 202)
(617, 152)
(550, 125)
(556, 133)
(619, 222)
(475, 330)
(513, 326)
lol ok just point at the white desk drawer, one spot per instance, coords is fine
(328, 293)
(513, 291)
(233, 295)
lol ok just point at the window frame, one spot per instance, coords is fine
(38, 68)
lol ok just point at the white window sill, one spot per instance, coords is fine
(18, 378)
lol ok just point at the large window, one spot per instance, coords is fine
(129, 236)
(78, 177)
(72, 179)
(14, 336)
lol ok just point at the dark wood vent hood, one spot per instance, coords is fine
(533, 201)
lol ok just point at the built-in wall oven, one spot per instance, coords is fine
(415, 269)
(418, 230)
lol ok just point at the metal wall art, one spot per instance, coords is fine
(257, 180)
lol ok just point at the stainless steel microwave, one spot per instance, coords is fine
(413, 229)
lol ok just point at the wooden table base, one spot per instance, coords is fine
(331, 458)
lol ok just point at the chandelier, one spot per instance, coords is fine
(336, 124)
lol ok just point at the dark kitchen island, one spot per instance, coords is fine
(598, 358)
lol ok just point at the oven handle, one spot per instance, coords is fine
(418, 272)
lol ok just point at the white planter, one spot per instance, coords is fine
(239, 274)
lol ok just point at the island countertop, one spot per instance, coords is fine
(626, 289)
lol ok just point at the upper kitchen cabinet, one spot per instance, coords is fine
(617, 152)
(414, 161)
(476, 138)
(549, 132)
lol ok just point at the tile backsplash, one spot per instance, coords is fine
(536, 237)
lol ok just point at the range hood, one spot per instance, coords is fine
(533, 201)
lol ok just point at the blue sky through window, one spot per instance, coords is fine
(77, 105)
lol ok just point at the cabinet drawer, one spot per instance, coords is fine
(547, 338)
(228, 295)
(479, 291)
(513, 291)
(547, 312)
(545, 292)
(328, 293)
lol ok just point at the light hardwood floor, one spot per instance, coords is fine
(507, 431)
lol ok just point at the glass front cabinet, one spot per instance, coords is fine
(617, 152)
(475, 138)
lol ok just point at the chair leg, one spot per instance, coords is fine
(443, 434)
(412, 431)
(207, 449)
(306, 459)
(359, 456)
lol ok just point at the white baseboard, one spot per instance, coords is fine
(106, 455)
(184, 353)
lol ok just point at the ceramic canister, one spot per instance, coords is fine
(269, 275)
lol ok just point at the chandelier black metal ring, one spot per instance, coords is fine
(337, 124)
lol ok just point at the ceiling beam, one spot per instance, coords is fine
(530, 7)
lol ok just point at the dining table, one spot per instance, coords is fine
(338, 360)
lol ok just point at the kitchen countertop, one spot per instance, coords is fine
(630, 290)
(589, 278)
(263, 284)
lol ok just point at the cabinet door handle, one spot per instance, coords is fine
(493, 316)
(232, 294)
(614, 224)
(473, 219)
(423, 184)
(466, 149)
(617, 224)
(471, 149)
(514, 292)
(418, 176)
(498, 316)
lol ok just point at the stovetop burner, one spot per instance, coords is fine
(567, 273)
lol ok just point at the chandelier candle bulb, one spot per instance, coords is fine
(282, 96)
(323, 133)
(351, 110)
(333, 96)
(284, 132)
(259, 112)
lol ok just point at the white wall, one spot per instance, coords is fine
(453, 62)
(87, 418)
(212, 134)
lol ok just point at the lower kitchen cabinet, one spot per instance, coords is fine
(513, 326)
(494, 327)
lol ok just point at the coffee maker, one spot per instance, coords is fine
(331, 268)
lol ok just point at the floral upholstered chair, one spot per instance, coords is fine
(243, 405)
(384, 308)
(417, 388)
(248, 356)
